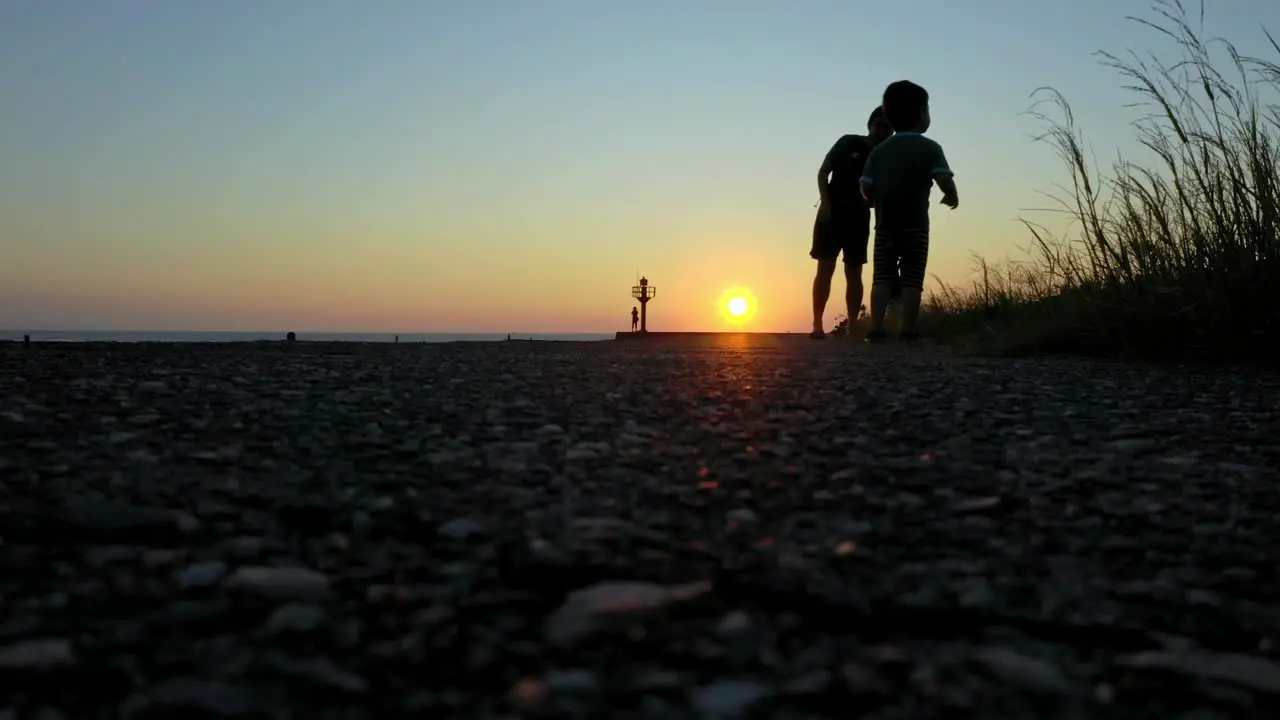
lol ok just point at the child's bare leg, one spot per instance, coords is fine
(910, 309)
(880, 293)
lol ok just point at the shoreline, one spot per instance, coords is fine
(254, 336)
(445, 339)
(299, 341)
(283, 343)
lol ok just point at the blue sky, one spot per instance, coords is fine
(501, 165)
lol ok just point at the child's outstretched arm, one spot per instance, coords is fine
(947, 184)
(945, 179)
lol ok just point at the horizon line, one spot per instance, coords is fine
(10, 331)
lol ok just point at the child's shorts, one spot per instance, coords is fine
(900, 258)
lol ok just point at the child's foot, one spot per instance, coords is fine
(876, 336)
(818, 335)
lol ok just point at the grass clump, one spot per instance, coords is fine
(1176, 259)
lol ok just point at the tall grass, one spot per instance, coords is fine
(1177, 257)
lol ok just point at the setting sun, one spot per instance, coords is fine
(737, 305)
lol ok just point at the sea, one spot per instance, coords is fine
(221, 337)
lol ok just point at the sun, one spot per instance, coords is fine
(737, 305)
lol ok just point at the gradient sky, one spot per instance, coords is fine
(502, 165)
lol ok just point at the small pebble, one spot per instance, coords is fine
(459, 528)
(527, 695)
(204, 698)
(37, 654)
(244, 547)
(1021, 671)
(280, 583)
(730, 698)
(733, 623)
(570, 681)
(201, 575)
(294, 618)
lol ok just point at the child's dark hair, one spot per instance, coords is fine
(877, 114)
(902, 103)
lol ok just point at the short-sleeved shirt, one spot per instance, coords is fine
(846, 159)
(899, 174)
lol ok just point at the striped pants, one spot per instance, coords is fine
(900, 258)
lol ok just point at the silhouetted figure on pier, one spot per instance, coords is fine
(635, 319)
(644, 292)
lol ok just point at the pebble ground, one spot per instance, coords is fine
(732, 529)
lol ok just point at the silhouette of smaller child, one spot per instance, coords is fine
(897, 180)
(635, 319)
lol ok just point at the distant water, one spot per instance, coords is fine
(145, 336)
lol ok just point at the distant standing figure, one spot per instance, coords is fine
(635, 319)
(843, 223)
(897, 180)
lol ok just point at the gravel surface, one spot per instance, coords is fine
(771, 529)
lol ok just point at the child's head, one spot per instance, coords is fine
(906, 106)
(877, 126)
